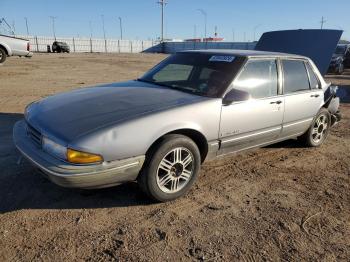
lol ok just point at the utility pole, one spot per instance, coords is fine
(27, 25)
(90, 26)
(322, 22)
(162, 4)
(233, 35)
(53, 25)
(121, 28)
(194, 31)
(205, 22)
(103, 27)
(244, 38)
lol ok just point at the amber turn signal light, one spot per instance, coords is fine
(78, 157)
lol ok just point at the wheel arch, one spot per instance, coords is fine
(5, 48)
(197, 137)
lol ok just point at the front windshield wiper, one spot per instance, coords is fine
(152, 82)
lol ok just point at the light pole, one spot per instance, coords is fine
(205, 22)
(121, 28)
(27, 25)
(53, 26)
(255, 27)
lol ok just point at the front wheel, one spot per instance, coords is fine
(319, 129)
(2, 55)
(171, 168)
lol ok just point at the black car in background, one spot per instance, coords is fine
(340, 59)
(60, 47)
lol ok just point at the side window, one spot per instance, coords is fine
(295, 76)
(258, 78)
(313, 78)
(175, 72)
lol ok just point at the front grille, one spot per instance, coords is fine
(34, 135)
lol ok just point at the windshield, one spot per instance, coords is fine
(198, 73)
(340, 50)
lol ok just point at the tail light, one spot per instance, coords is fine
(28, 46)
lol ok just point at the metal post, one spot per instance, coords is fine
(118, 46)
(105, 46)
(142, 45)
(90, 45)
(131, 45)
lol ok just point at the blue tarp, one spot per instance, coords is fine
(317, 44)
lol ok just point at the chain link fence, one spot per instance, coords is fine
(92, 45)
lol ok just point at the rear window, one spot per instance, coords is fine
(295, 76)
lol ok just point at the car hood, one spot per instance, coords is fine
(69, 115)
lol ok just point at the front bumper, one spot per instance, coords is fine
(76, 176)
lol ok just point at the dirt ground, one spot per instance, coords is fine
(282, 202)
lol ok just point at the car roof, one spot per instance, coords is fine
(244, 53)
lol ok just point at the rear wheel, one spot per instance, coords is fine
(171, 169)
(3, 55)
(319, 129)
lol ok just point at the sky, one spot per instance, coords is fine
(235, 19)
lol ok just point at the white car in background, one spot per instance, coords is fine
(13, 46)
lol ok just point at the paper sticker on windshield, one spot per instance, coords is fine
(222, 58)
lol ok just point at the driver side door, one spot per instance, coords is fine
(258, 120)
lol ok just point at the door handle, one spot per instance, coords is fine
(276, 102)
(315, 95)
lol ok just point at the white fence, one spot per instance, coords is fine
(40, 43)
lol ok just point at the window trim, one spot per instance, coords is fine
(249, 59)
(309, 76)
(297, 92)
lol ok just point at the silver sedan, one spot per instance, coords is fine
(160, 128)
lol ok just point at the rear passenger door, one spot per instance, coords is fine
(258, 120)
(302, 94)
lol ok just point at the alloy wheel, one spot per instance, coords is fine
(319, 129)
(175, 170)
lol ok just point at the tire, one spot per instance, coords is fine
(165, 176)
(319, 129)
(3, 55)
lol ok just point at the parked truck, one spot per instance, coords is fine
(13, 46)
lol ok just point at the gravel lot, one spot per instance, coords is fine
(282, 202)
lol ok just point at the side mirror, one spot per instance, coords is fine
(235, 95)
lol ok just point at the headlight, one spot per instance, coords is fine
(54, 148)
(79, 157)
